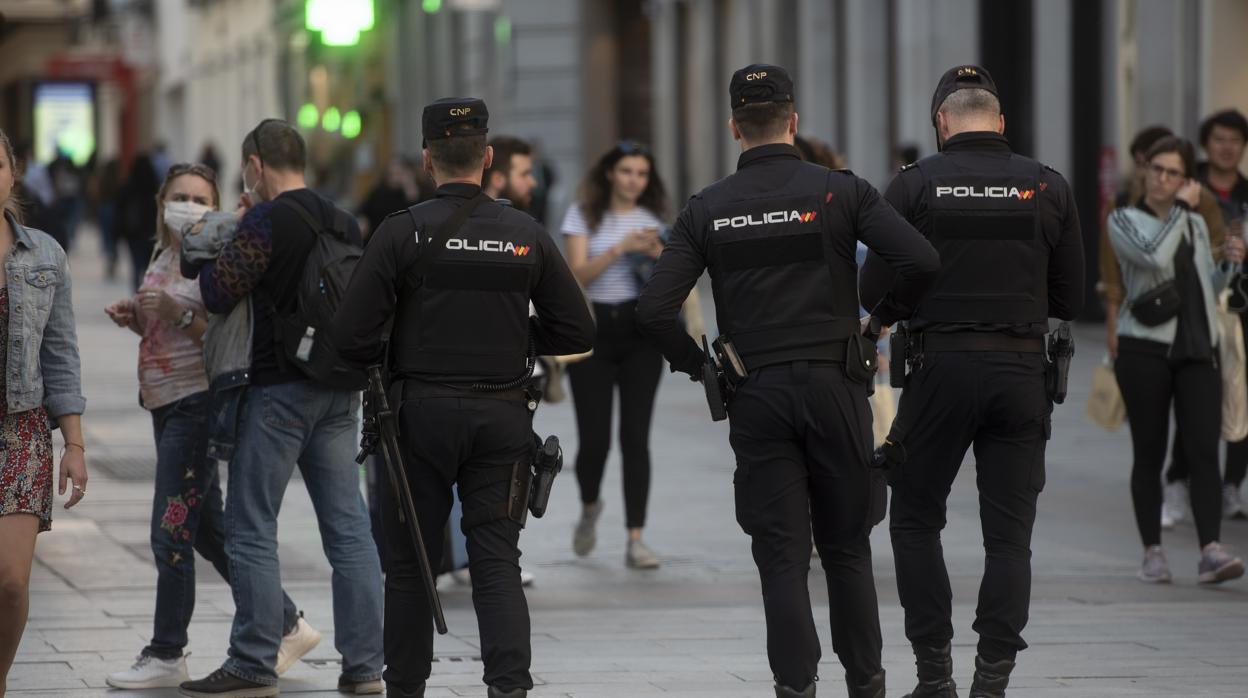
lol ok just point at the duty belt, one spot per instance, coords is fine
(831, 352)
(978, 341)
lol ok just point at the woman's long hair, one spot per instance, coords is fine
(594, 195)
(13, 206)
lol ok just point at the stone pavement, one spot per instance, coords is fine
(692, 628)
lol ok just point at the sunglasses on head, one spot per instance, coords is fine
(183, 168)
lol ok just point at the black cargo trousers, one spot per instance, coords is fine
(997, 403)
(802, 437)
(444, 440)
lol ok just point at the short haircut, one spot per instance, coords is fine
(504, 148)
(970, 101)
(762, 121)
(458, 155)
(1227, 118)
(278, 145)
(1174, 144)
(1147, 137)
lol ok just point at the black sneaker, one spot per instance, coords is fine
(360, 688)
(221, 684)
(500, 693)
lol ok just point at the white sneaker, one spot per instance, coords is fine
(151, 672)
(1174, 507)
(1232, 503)
(297, 643)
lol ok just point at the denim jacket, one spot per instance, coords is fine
(43, 365)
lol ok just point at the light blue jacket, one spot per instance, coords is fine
(43, 365)
(1145, 246)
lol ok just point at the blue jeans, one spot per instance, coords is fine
(186, 517)
(314, 427)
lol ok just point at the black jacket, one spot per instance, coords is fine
(469, 319)
(779, 237)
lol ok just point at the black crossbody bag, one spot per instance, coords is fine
(1161, 303)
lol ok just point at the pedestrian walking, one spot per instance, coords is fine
(456, 275)
(1174, 507)
(778, 237)
(187, 509)
(42, 388)
(1223, 137)
(610, 235)
(977, 376)
(293, 249)
(1167, 351)
(136, 215)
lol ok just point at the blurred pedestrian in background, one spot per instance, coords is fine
(105, 186)
(1223, 136)
(41, 383)
(1174, 506)
(136, 215)
(209, 157)
(187, 510)
(611, 231)
(398, 190)
(1167, 341)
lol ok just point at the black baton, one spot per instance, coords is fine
(398, 480)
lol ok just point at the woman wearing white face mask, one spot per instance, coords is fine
(168, 313)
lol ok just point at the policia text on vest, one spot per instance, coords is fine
(459, 352)
(779, 238)
(1011, 257)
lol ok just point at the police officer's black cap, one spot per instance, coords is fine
(455, 116)
(758, 83)
(960, 78)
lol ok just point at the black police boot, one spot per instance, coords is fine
(871, 688)
(935, 669)
(991, 678)
(500, 693)
(786, 692)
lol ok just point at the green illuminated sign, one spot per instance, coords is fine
(351, 124)
(308, 116)
(502, 29)
(431, 6)
(332, 120)
(340, 22)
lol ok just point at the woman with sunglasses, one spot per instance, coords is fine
(187, 515)
(1167, 351)
(612, 236)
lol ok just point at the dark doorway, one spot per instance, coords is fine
(635, 88)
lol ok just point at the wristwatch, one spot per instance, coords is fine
(188, 317)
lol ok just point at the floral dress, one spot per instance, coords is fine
(25, 447)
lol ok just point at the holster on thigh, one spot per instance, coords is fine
(516, 504)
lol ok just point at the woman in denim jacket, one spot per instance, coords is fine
(1169, 357)
(187, 510)
(40, 378)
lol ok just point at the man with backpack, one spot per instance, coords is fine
(291, 257)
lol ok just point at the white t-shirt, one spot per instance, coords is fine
(618, 283)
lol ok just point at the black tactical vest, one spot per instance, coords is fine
(993, 258)
(780, 295)
(468, 316)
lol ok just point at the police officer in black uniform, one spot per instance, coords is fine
(779, 238)
(461, 340)
(1011, 258)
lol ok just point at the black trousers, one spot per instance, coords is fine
(442, 440)
(802, 438)
(996, 403)
(1151, 386)
(1236, 453)
(622, 358)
